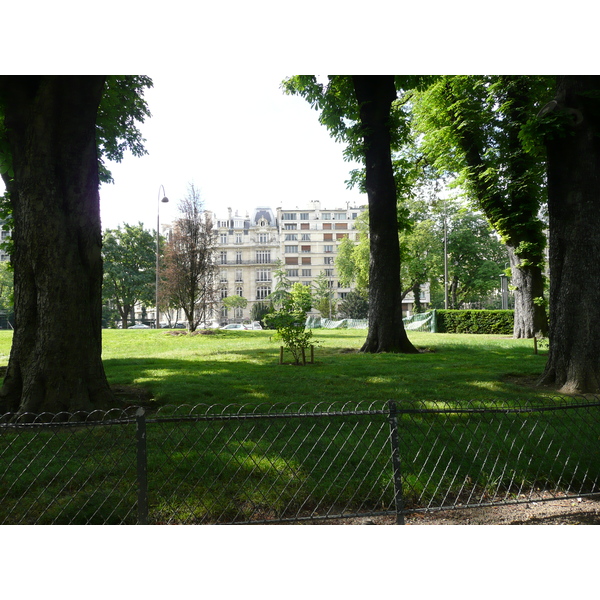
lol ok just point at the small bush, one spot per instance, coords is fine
(475, 321)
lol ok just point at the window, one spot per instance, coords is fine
(306, 272)
(304, 216)
(292, 272)
(305, 237)
(326, 225)
(238, 313)
(239, 291)
(223, 293)
(263, 274)
(325, 216)
(288, 217)
(342, 295)
(263, 238)
(263, 256)
(354, 216)
(340, 236)
(238, 257)
(223, 277)
(291, 226)
(238, 238)
(291, 260)
(223, 238)
(341, 226)
(291, 249)
(328, 272)
(340, 216)
(306, 260)
(305, 248)
(291, 237)
(304, 225)
(223, 258)
(328, 260)
(328, 248)
(328, 237)
(238, 275)
(262, 292)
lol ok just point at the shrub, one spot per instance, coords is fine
(475, 321)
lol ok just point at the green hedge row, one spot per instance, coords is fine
(475, 321)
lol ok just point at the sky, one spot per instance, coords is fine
(240, 140)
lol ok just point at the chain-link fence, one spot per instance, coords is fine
(278, 464)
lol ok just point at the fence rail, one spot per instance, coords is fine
(289, 463)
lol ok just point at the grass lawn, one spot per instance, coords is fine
(197, 471)
(242, 368)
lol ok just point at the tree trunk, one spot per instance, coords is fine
(530, 315)
(375, 95)
(574, 221)
(55, 360)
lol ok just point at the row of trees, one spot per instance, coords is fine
(188, 273)
(507, 140)
(504, 135)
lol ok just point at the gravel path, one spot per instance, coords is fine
(579, 511)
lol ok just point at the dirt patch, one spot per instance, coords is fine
(131, 395)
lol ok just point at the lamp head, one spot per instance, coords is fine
(165, 199)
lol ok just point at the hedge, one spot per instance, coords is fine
(475, 321)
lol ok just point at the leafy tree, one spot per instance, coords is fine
(51, 142)
(190, 280)
(259, 310)
(475, 127)
(6, 286)
(570, 124)
(358, 110)
(355, 305)
(232, 302)
(129, 268)
(289, 321)
(324, 296)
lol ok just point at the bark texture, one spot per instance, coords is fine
(375, 95)
(574, 251)
(55, 362)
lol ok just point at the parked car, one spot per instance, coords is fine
(140, 326)
(235, 326)
(254, 325)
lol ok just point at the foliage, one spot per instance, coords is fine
(355, 305)
(475, 128)
(6, 286)
(324, 296)
(235, 301)
(290, 319)
(122, 105)
(259, 310)
(129, 255)
(475, 321)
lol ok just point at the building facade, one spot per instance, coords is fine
(303, 241)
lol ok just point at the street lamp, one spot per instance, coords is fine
(164, 199)
(504, 290)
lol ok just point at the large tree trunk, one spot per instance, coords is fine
(530, 318)
(55, 360)
(375, 95)
(574, 221)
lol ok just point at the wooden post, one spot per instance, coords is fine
(280, 355)
(312, 355)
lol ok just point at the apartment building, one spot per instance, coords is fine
(304, 240)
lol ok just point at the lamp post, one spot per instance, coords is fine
(504, 290)
(164, 199)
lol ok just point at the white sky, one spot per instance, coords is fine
(240, 140)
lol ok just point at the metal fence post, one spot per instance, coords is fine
(142, 466)
(399, 498)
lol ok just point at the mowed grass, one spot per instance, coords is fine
(243, 368)
(236, 470)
